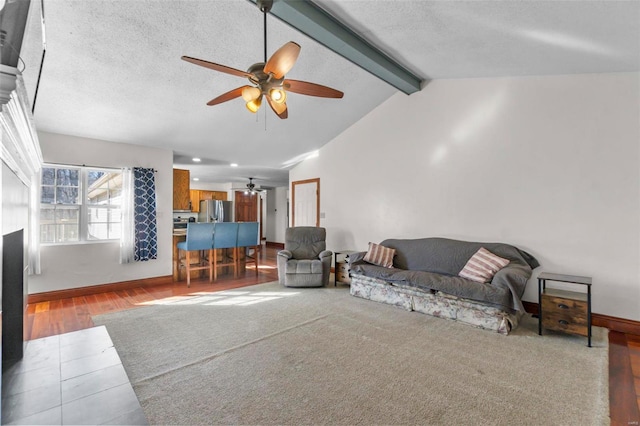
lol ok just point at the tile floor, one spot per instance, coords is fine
(72, 378)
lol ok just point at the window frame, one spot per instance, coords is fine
(83, 206)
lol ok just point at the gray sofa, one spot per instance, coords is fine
(424, 278)
(304, 262)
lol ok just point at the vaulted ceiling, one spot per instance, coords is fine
(113, 70)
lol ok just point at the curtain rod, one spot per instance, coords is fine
(84, 165)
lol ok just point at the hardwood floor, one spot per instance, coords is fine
(66, 315)
(71, 314)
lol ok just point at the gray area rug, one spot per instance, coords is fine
(269, 355)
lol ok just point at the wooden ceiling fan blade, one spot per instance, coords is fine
(216, 67)
(279, 108)
(231, 94)
(311, 89)
(282, 60)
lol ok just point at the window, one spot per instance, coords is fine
(80, 204)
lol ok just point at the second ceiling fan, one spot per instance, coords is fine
(268, 77)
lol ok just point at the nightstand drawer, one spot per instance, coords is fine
(563, 305)
(343, 277)
(342, 267)
(566, 315)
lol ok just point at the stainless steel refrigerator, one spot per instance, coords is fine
(215, 211)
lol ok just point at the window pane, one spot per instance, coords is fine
(67, 216)
(105, 188)
(115, 215)
(93, 176)
(116, 195)
(67, 177)
(48, 176)
(46, 216)
(98, 196)
(115, 230)
(48, 195)
(98, 231)
(67, 233)
(66, 195)
(98, 214)
(47, 233)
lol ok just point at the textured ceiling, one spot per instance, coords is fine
(113, 68)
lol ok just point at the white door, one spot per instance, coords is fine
(306, 202)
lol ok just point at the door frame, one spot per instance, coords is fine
(293, 199)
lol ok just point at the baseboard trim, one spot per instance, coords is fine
(275, 245)
(622, 325)
(95, 289)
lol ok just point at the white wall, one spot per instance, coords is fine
(549, 164)
(86, 264)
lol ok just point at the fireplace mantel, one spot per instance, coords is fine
(20, 146)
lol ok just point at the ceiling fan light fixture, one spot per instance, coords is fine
(278, 95)
(250, 93)
(254, 105)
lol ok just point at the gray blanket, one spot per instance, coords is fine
(432, 264)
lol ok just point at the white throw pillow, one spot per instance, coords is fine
(482, 266)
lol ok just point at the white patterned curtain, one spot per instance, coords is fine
(34, 224)
(127, 239)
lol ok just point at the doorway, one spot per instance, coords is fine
(246, 206)
(306, 202)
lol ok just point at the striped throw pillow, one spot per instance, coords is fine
(483, 266)
(380, 255)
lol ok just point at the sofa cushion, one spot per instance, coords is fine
(482, 266)
(380, 255)
(304, 266)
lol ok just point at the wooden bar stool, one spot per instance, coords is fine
(199, 237)
(225, 236)
(248, 238)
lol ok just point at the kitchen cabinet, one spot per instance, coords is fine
(198, 195)
(181, 189)
(213, 195)
(194, 195)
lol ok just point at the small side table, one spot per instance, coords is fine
(341, 267)
(562, 310)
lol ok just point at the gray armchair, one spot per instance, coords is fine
(304, 262)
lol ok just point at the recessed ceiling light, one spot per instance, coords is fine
(234, 164)
(196, 179)
(196, 160)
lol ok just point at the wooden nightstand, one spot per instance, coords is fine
(341, 267)
(563, 310)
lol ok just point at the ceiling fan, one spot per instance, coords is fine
(250, 188)
(268, 77)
